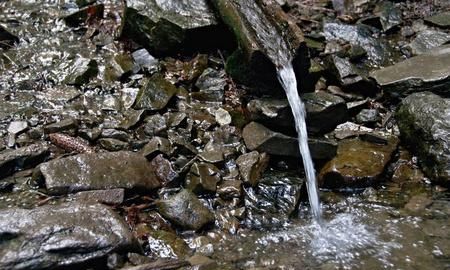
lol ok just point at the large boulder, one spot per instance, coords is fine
(258, 137)
(94, 171)
(358, 163)
(51, 237)
(405, 77)
(166, 27)
(262, 30)
(424, 122)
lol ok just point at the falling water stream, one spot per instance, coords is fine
(287, 79)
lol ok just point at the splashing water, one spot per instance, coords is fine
(287, 79)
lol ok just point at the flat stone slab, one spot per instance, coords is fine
(258, 137)
(429, 71)
(441, 19)
(50, 237)
(94, 171)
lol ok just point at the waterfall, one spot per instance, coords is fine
(287, 79)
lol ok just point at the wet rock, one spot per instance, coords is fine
(274, 199)
(230, 189)
(144, 61)
(212, 85)
(349, 129)
(51, 237)
(257, 137)
(156, 125)
(390, 15)
(362, 35)
(423, 120)
(14, 129)
(324, 112)
(169, 26)
(440, 19)
(81, 71)
(154, 94)
(368, 117)
(428, 39)
(358, 163)
(164, 170)
(165, 244)
(212, 156)
(222, 117)
(185, 71)
(418, 203)
(12, 160)
(155, 146)
(203, 178)
(202, 262)
(63, 125)
(118, 67)
(61, 95)
(115, 134)
(111, 196)
(99, 171)
(257, 27)
(7, 40)
(186, 211)
(132, 118)
(404, 77)
(83, 15)
(112, 144)
(252, 166)
(350, 76)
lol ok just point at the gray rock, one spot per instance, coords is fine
(186, 211)
(115, 134)
(405, 77)
(132, 118)
(424, 123)
(118, 67)
(156, 124)
(12, 160)
(156, 146)
(7, 40)
(169, 26)
(144, 61)
(368, 116)
(154, 94)
(203, 178)
(230, 189)
(428, 39)
(324, 112)
(441, 19)
(362, 35)
(390, 15)
(17, 127)
(167, 244)
(99, 171)
(350, 76)
(164, 170)
(274, 199)
(81, 71)
(212, 85)
(112, 144)
(51, 237)
(110, 196)
(257, 137)
(63, 125)
(251, 166)
(358, 163)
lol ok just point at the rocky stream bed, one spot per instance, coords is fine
(150, 134)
